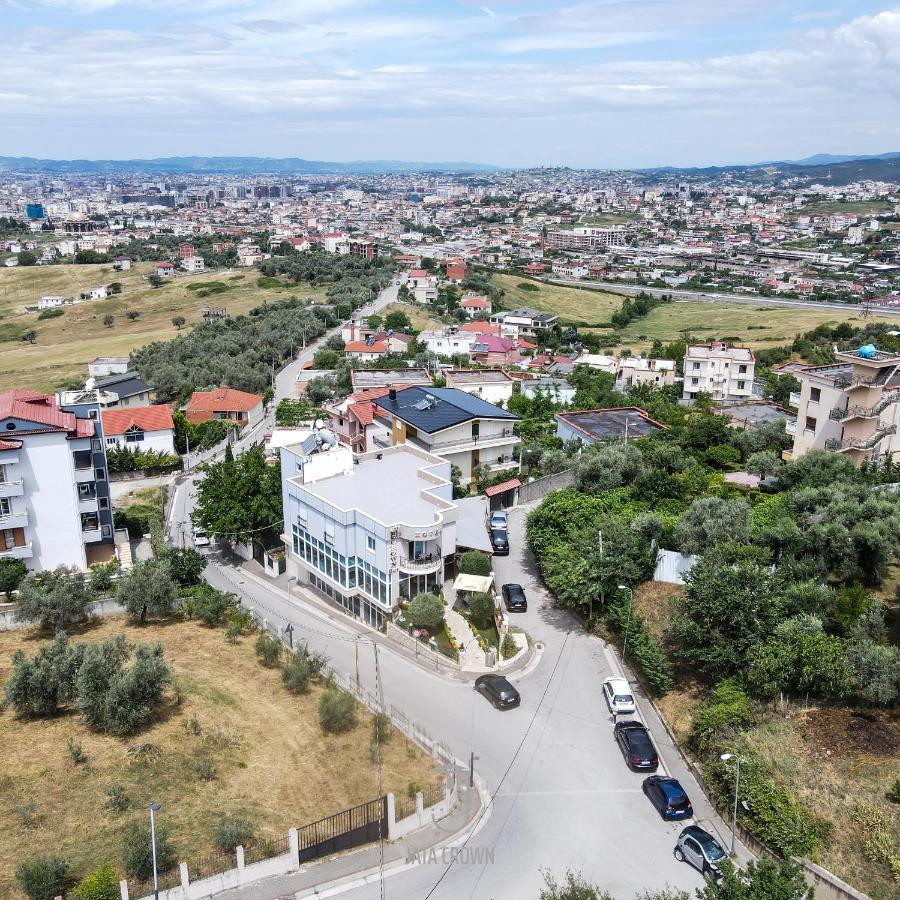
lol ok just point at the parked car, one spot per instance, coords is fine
(669, 797)
(499, 519)
(636, 746)
(500, 693)
(201, 539)
(500, 542)
(701, 850)
(618, 696)
(514, 597)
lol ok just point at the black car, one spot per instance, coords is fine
(498, 691)
(636, 745)
(514, 597)
(668, 796)
(500, 542)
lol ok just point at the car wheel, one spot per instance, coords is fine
(679, 855)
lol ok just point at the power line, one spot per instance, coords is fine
(503, 777)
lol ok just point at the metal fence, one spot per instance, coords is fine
(144, 887)
(212, 864)
(261, 848)
(347, 829)
(404, 806)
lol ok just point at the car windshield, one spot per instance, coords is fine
(678, 801)
(624, 698)
(712, 850)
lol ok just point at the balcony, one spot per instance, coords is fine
(841, 413)
(88, 505)
(89, 535)
(794, 399)
(11, 488)
(16, 519)
(423, 565)
(474, 442)
(23, 552)
(867, 443)
(84, 474)
(790, 426)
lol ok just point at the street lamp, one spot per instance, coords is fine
(624, 587)
(154, 809)
(725, 757)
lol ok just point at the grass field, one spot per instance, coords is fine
(855, 207)
(754, 326)
(571, 304)
(417, 315)
(66, 344)
(273, 763)
(608, 219)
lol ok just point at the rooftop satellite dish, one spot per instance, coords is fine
(318, 424)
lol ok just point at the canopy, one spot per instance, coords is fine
(478, 584)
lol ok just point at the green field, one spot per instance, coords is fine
(66, 344)
(755, 326)
(572, 304)
(855, 207)
(608, 219)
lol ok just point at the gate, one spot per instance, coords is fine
(350, 828)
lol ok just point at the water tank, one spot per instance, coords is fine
(868, 351)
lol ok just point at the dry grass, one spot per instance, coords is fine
(273, 762)
(66, 344)
(146, 496)
(572, 304)
(417, 315)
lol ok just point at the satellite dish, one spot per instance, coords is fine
(318, 424)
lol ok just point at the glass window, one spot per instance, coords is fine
(815, 395)
(370, 542)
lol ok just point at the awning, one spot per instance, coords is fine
(503, 487)
(478, 584)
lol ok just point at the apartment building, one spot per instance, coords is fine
(584, 238)
(366, 530)
(637, 370)
(524, 322)
(493, 385)
(723, 372)
(463, 429)
(55, 505)
(848, 407)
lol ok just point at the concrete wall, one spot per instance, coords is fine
(540, 487)
(8, 621)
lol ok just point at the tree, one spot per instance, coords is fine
(132, 314)
(12, 571)
(710, 521)
(53, 599)
(38, 687)
(148, 590)
(876, 671)
(42, 878)
(137, 853)
(30, 336)
(731, 603)
(268, 649)
(186, 565)
(156, 280)
(473, 562)
(208, 605)
(178, 321)
(763, 463)
(101, 884)
(817, 468)
(337, 711)
(108, 320)
(607, 466)
(766, 879)
(292, 412)
(426, 611)
(115, 287)
(397, 320)
(573, 888)
(374, 322)
(481, 608)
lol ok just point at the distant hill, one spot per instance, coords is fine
(233, 165)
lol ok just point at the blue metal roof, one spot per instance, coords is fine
(434, 409)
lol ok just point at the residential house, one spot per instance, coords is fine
(599, 426)
(726, 373)
(422, 285)
(186, 250)
(600, 361)
(359, 423)
(367, 530)
(121, 389)
(143, 428)
(850, 406)
(50, 301)
(637, 370)
(121, 263)
(467, 431)
(225, 403)
(557, 389)
(335, 242)
(367, 379)
(448, 341)
(456, 270)
(193, 264)
(493, 385)
(165, 269)
(524, 322)
(107, 365)
(248, 255)
(97, 293)
(55, 505)
(534, 269)
(488, 350)
(570, 269)
(474, 306)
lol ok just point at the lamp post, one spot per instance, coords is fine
(154, 809)
(624, 587)
(737, 781)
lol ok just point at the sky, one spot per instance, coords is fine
(598, 83)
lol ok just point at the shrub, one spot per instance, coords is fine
(207, 604)
(42, 878)
(509, 648)
(76, 751)
(426, 611)
(204, 768)
(296, 673)
(233, 831)
(268, 649)
(337, 711)
(100, 580)
(53, 599)
(101, 884)
(894, 793)
(481, 608)
(381, 729)
(715, 720)
(233, 632)
(473, 562)
(137, 853)
(116, 798)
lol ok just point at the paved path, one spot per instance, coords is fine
(471, 656)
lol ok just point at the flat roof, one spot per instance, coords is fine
(755, 412)
(387, 489)
(610, 423)
(478, 376)
(373, 378)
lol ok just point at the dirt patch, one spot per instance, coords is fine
(653, 600)
(843, 732)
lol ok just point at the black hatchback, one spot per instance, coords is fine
(636, 746)
(500, 542)
(514, 597)
(498, 691)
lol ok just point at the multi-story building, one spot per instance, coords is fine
(524, 322)
(463, 429)
(723, 372)
(368, 529)
(585, 238)
(54, 485)
(637, 370)
(849, 407)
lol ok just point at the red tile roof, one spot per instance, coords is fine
(363, 347)
(147, 418)
(38, 408)
(502, 487)
(223, 400)
(10, 445)
(481, 328)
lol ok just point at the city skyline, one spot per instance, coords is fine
(598, 84)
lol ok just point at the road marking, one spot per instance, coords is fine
(566, 793)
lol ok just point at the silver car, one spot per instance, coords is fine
(499, 520)
(699, 848)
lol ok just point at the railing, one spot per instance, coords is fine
(794, 399)
(864, 412)
(861, 443)
(479, 440)
(423, 564)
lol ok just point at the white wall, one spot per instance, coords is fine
(162, 441)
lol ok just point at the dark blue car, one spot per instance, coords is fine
(669, 798)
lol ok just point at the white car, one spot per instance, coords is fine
(499, 519)
(618, 696)
(201, 539)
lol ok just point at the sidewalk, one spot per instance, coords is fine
(363, 864)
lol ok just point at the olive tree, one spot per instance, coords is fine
(148, 590)
(53, 599)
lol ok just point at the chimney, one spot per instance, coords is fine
(392, 395)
